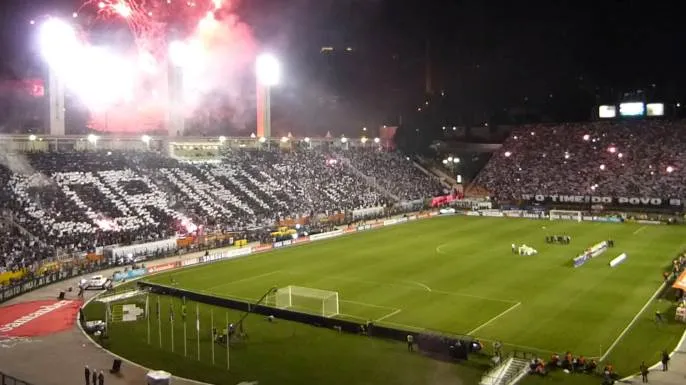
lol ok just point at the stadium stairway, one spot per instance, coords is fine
(509, 372)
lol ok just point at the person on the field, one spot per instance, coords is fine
(514, 249)
(101, 378)
(665, 361)
(410, 343)
(88, 375)
(644, 372)
(94, 378)
(659, 318)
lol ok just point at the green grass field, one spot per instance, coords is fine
(455, 275)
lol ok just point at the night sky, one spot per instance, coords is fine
(556, 59)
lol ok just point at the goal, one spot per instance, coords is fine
(568, 215)
(306, 299)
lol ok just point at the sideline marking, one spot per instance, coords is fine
(389, 315)
(483, 325)
(639, 230)
(626, 329)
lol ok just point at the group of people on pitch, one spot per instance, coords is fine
(567, 362)
(559, 239)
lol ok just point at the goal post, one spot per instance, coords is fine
(570, 215)
(306, 299)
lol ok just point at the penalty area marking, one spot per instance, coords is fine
(366, 304)
(639, 230)
(439, 248)
(413, 286)
(389, 315)
(483, 325)
(422, 285)
(244, 279)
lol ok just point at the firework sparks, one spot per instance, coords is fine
(217, 52)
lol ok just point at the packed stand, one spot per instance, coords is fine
(394, 173)
(77, 202)
(630, 158)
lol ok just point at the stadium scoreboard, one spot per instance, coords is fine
(631, 110)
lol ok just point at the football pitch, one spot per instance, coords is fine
(458, 275)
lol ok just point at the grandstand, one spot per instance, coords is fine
(620, 159)
(80, 199)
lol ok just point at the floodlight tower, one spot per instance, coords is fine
(175, 117)
(268, 71)
(57, 42)
(56, 108)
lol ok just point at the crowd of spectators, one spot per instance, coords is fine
(628, 158)
(78, 201)
(394, 173)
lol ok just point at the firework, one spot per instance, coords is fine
(126, 88)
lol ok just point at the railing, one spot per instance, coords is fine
(6, 379)
(17, 289)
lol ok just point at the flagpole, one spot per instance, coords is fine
(197, 326)
(147, 313)
(212, 332)
(183, 316)
(226, 325)
(159, 321)
(107, 319)
(171, 321)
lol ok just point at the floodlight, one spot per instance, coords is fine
(307, 140)
(450, 159)
(145, 139)
(32, 137)
(456, 160)
(363, 140)
(262, 139)
(268, 70)
(344, 140)
(670, 169)
(178, 53)
(377, 140)
(507, 154)
(92, 138)
(58, 41)
(284, 139)
(222, 139)
(445, 161)
(253, 135)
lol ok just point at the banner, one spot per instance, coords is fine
(330, 234)
(585, 200)
(680, 282)
(442, 200)
(620, 259)
(130, 274)
(163, 267)
(590, 253)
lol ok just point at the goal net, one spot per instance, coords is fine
(567, 215)
(306, 299)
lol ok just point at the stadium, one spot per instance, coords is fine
(144, 250)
